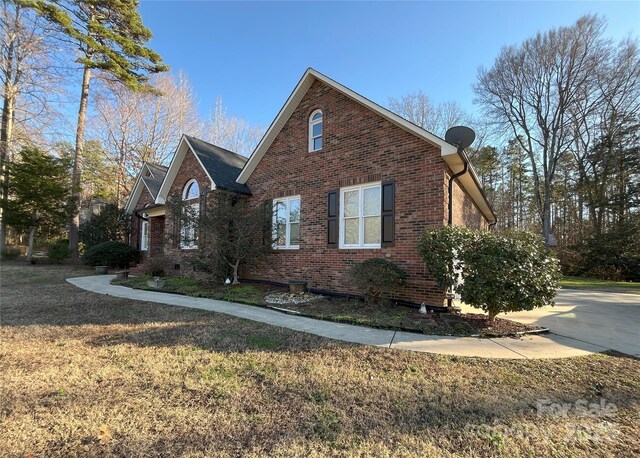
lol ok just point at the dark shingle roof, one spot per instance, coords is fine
(153, 182)
(223, 166)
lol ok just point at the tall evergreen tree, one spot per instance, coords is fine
(38, 194)
(111, 38)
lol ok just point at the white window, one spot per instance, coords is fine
(360, 208)
(315, 131)
(191, 190)
(286, 222)
(144, 236)
(188, 230)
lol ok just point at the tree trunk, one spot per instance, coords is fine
(76, 179)
(546, 216)
(235, 273)
(6, 131)
(32, 235)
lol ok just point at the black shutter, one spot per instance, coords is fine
(332, 219)
(267, 230)
(388, 213)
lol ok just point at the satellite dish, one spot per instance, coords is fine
(460, 136)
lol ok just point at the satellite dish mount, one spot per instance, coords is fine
(460, 136)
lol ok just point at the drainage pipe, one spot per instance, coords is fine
(451, 179)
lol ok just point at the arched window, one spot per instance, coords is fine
(191, 190)
(315, 131)
(191, 213)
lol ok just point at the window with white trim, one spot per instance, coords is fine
(315, 131)
(360, 208)
(144, 236)
(191, 190)
(286, 222)
(188, 230)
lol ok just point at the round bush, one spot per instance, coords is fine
(494, 272)
(377, 279)
(112, 254)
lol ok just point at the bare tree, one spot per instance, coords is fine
(230, 132)
(136, 127)
(530, 91)
(418, 108)
(30, 79)
(608, 109)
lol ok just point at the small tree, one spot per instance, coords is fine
(111, 224)
(38, 195)
(229, 232)
(497, 273)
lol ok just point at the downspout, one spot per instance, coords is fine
(451, 179)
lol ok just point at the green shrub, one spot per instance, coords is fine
(494, 272)
(58, 251)
(612, 255)
(111, 224)
(377, 279)
(112, 254)
(10, 254)
(441, 249)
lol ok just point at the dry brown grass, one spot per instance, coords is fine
(90, 375)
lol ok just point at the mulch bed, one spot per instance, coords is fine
(345, 310)
(403, 318)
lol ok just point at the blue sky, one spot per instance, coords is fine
(253, 53)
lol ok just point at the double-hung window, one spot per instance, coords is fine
(360, 208)
(144, 236)
(286, 222)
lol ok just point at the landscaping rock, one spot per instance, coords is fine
(288, 298)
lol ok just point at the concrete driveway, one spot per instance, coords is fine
(609, 320)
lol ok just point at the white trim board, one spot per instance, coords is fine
(448, 152)
(181, 151)
(137, 190)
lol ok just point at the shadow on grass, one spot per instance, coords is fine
(217, 333)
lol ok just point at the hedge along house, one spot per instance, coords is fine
(196, 170)
(349, 181)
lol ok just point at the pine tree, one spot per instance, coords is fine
(38, 194)
(111, 38)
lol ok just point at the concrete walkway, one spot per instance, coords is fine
(540, 346)
(606, 319)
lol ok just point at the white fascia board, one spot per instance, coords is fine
(469, 182)
(136, 191)
(300, 90)
(174, 166)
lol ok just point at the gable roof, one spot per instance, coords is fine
(150, 176)
(221, 166)
(448, 151)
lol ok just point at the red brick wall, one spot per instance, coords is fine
(189, 169)
(465, 211)
(358, 145)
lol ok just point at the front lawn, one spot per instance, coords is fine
(340, 309)
(603, 285)
(83, 374)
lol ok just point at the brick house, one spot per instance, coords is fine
(349, 181)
